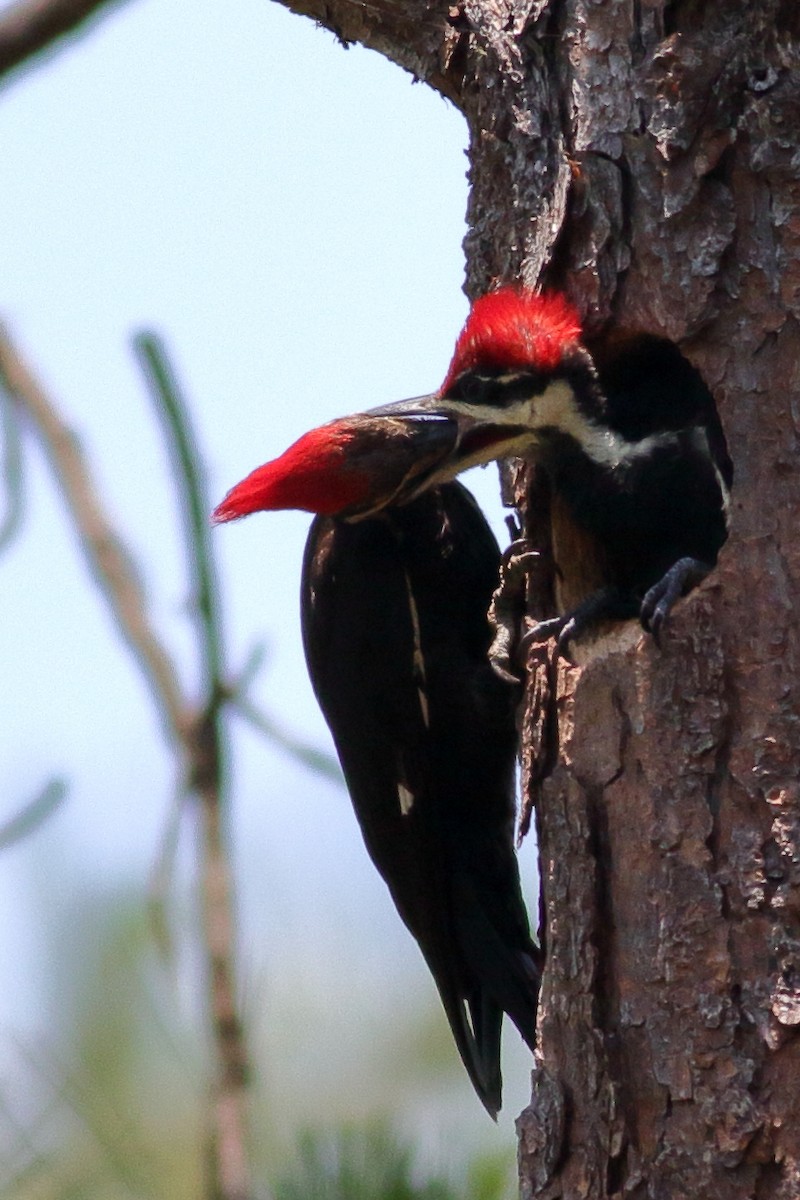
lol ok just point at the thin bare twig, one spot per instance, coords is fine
(110, 563)
(30, 26)
(255, 660)
(194, 501)
(11, 471)
(316, 760)
(162, 870)
(229, 1175)
(310, 756)
(33, 814)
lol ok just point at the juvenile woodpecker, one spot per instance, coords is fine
(631, 444)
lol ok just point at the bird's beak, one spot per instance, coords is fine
(478, 434)
(356, 466)
(417, 408)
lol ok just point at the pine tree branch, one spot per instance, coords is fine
(31, 26)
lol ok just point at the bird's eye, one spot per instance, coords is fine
(471, 387)
(496, 388)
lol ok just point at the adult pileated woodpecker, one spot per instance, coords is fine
(632, 446)
(396, 639)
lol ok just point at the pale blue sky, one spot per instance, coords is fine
(289, 217)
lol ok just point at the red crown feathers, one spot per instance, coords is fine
(514, 328)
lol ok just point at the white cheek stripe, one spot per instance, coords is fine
(556, 408)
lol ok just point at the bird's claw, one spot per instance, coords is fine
(661, 598)
(603, 603)
(561, 628)
(508, 605)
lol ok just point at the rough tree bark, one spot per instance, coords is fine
(643, 156)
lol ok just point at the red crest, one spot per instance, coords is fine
(515, 328)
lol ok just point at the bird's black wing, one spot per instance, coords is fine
(395, 633)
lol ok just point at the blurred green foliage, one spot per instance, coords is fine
(108, 1104)
(372, 1163)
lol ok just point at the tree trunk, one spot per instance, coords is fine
(643, 156)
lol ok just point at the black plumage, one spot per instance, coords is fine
(647, 480)
(395, 634)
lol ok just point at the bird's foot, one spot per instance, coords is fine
(605, 603)
(659, 601)
(507, 609)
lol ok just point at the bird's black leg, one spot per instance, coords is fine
(658, 602)
(608, 603)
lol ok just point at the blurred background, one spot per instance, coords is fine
(288, 216)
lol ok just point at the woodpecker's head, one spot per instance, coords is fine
(353, 466)
(517, 368)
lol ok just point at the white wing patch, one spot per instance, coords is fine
(406, 799)
(405, 796)
(418, 661)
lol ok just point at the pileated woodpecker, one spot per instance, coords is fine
(396, 639)
(631, 444)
